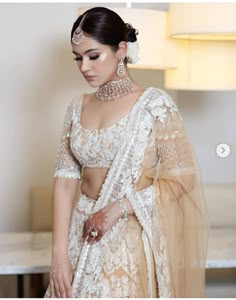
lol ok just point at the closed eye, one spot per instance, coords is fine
(91, 58)
(78, 58)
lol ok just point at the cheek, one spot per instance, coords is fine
(104, 57)
(107, 61)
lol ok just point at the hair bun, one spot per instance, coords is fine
(131, 33)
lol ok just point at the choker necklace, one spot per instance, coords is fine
(115, 89)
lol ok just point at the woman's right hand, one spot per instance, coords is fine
(61, 276)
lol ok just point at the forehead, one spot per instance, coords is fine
(87, 44)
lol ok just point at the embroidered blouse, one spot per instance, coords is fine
(83, 147)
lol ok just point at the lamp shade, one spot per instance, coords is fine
(156, 50)
(202, 21)
(203, 65)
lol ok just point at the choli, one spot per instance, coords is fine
(83, 147)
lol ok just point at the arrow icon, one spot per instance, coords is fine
(223, 150)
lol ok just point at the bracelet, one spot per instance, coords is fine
(123, 208)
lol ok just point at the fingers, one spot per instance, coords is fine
(94, 222)
(71, 276)
(100, 235)
(61, 288)
(68, 289)
(61, 285)
(92, 239)
(97, 238)
(57, 289)
(52, 290)
(87, 228)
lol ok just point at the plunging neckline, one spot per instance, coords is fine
(114, 124)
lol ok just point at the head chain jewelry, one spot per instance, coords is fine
(78, 35)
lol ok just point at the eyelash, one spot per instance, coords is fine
(91, 58)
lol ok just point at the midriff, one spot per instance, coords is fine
(92, 182)
(93, 179)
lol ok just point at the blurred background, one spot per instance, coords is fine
(38, 78)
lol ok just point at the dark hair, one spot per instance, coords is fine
(106, 27)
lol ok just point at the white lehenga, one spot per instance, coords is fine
(115, 265)
(135, 257)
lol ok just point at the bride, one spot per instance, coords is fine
(139, 227)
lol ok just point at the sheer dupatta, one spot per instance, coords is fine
(178, 221)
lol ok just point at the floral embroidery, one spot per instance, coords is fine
(110, 267)
(66, 164)
(95, 148)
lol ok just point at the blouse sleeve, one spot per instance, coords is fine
(67, 166)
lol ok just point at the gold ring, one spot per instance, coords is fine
(93, 233)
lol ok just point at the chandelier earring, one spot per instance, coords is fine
(120, 68)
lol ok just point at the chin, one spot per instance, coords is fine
(93, 84)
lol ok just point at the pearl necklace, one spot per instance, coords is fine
(114, 89)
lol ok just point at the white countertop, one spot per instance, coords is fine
(222, 248)
(28, 253)
(25, 252)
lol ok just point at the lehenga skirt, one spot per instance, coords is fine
(117, 265)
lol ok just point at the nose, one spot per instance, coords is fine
(85, 66)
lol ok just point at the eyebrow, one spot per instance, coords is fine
(87, 51)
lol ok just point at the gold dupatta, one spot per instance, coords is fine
(178, 221)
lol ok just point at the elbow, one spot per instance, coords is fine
(65, 186)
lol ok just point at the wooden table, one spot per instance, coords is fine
(30, 253)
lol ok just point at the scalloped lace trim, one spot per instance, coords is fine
(67, 174)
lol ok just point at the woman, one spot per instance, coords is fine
(139, 226)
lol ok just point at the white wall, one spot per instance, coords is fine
(38, 77)
(210, 119)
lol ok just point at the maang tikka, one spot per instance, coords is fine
(78, 35)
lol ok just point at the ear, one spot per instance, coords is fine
(122, 49)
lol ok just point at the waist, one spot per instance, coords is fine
(92, 181)
(86, 198)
